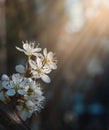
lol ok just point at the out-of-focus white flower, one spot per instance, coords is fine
(30, 49)
(18, 84)
(50, 61)
(25, 113)
(31, 103)
(35, 103)
(39, 71)
(20, 69)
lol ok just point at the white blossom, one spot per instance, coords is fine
(24, 112)
(15, 85)
(39, 71)
(29, 48)
(50, 61)
(31, 103)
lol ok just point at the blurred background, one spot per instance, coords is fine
(78, 32)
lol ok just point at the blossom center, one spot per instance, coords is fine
(47, 60)
(39, 70)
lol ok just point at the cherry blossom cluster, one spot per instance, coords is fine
(25, 85)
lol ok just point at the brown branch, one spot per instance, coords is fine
(9, 119)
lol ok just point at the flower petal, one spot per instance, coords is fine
(39, 62)
(50, 55)
(24, 83)
(21, 92)
(11, 92)
(24, 114)
(29, 103)
(37, 49)
(4, 77)
(20, 69)
(35, 74)
(45, 78)
(6, 85)
(16, 78)
(45, 52)
(32, 64)
(19, 49)
(46, 69)
(53, 65)
(26, 46)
